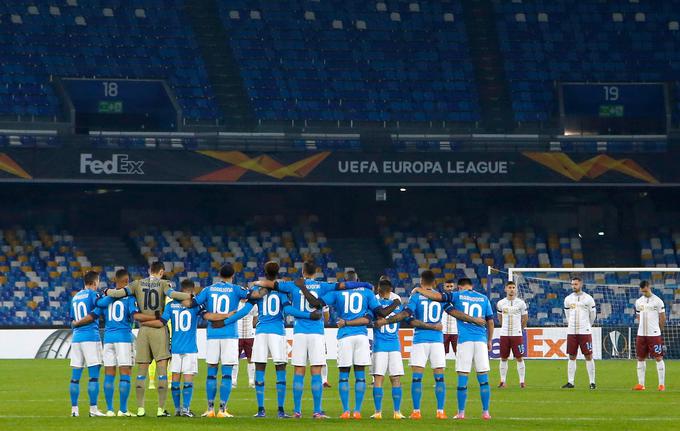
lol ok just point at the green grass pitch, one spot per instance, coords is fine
(34, 396)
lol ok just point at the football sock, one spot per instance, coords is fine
(590, 367)
(521, 371)
(396, 398)
(175, 390)
(187, 394)
(484, 391)
(124, 392)
(359, 389)
(317, 391)
(417, 390)
(211, 387)
(503, 368)
(162, 390)
(234, 374)
(571, 370)
(140, 389)
(661, 371)
(440, 390)
(298, 387)
(74, 387)
(343, 388)
(641, 370)
(251, 372)
(109, 382)
(280, 388)
(225, 386)
(93, 384)
(377, 398)
(259, 388)
(462, 391)
(324, 373)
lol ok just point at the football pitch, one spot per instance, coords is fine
(34, 396)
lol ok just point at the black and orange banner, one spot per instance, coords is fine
(336, 168)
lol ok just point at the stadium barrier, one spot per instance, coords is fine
(540, 343)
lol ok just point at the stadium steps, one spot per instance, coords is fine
(365, 255)
(607, 251)
(108, 251)
(494, 95)
(223, 71)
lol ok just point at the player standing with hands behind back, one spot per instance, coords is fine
(580, 311)
(651, 316)
(513, 316)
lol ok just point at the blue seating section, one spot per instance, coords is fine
(546, 41)
(39, 271)
(353, 59)
(198, 254)
(42, 39)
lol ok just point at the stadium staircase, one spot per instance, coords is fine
(365, 255)
(494, 99)
(602, 252)
(108, 251)
(222, 69)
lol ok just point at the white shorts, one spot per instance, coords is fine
(222, 351)
(472, 352)
(388, 363)
(354, 350)
(86, 354)
(310, 347)
(270, 344)
(184, 363)
(119, 354)
(422, 352)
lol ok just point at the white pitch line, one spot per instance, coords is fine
(587, 419)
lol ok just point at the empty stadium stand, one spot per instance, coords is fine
(353, 60)
(45, 39)
(39, 270)
(545, 41)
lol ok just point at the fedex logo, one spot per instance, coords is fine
(119, 164)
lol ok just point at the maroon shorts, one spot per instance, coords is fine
(514, 343)
(648, 347)
(245, 347)
(450, 339)
(584, 341)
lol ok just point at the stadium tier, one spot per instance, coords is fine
(199, 253)
(42, 39)
(454, 252)
(544, 42)
(353, 60)
(39, 270)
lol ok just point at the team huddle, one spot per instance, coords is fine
(456, 317)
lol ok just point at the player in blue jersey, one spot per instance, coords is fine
(270, 337)
(308, 334)
(387, 357)
(119, 316)
(222, 297)
(86, 347)
(352, 307)
(428, 342)
(474, 341)
(184, 364)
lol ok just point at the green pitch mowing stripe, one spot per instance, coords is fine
(34, 395)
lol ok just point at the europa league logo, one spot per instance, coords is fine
(616, 344)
